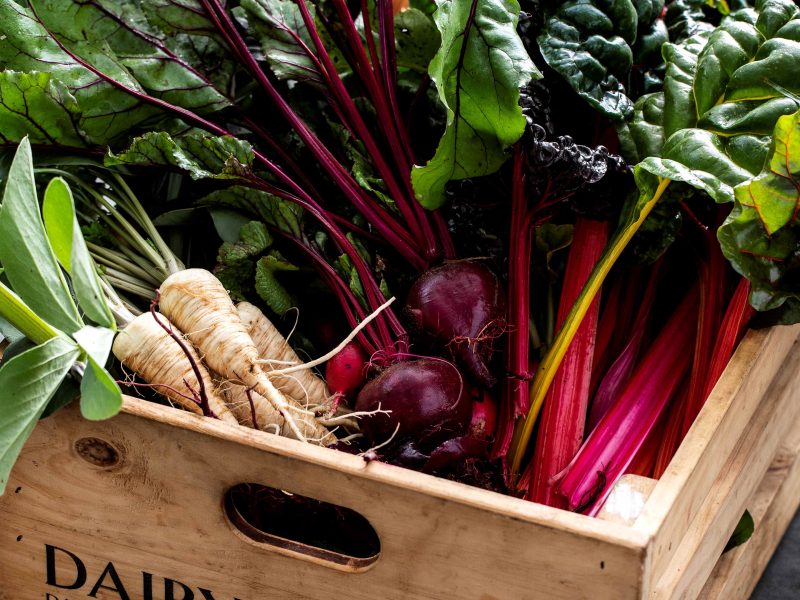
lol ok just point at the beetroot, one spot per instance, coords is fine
(426, 398)
(461, 305)
(345, 373)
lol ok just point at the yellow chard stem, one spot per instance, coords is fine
(547, 370)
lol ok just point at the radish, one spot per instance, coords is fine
(484, 416)
(346, 372)
(197, 302)
(426, 400)
(462, 305)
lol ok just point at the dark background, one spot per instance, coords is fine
(781, 580)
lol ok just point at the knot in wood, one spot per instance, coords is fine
(97, 452)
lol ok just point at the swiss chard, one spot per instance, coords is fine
(760, 236)
(483, 114)
(722, 108)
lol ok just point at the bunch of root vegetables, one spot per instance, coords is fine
(505, 272)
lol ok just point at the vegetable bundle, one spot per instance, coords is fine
(580, 206)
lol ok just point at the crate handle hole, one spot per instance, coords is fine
(302, 527)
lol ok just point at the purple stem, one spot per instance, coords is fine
(378, 217)
(204, 406)
(358, 125)
(249, 393)
(373, 294)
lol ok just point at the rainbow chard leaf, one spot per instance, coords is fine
(761, 237)
(478, 71)
(720, 110)
(593, 44)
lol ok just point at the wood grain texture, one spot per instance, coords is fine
(701, 546)
(160, 511)
(155, 510)
(680, 493)
(772, 507)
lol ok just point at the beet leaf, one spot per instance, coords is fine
(483, 114)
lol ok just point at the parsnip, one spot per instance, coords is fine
(198, 304)
(148, 350)
(303, 386)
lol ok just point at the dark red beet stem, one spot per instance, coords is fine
(514, 401)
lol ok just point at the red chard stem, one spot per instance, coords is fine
(564, 411)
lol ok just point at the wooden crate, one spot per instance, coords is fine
(138, 502)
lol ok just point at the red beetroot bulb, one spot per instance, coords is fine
(427, 398)
(461, 304)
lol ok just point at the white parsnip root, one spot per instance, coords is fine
(148, 350)
(269, 419)
(198, 304)
(303, 386)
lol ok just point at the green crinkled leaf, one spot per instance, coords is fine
(771, 263)
(278, 213)
(724, 91)
(37, 105)
(268, 287)
(761, 236)
(173, 16)
(348, 272)
(775, 192)
(280, 29)
(677, 171)
(589, 44)
(28, 382)
(652, 34)
(741, 65)
(681, 64)
(478, 72)
(705, 153)
(361, 166)
(104, 111)
(644, 135)
(25, 253)
(122, 28)
(236, 260)
(202, 156)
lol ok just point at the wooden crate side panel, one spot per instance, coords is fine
(681, 491)
(772, 507)
(159, 512)
(700, 549)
